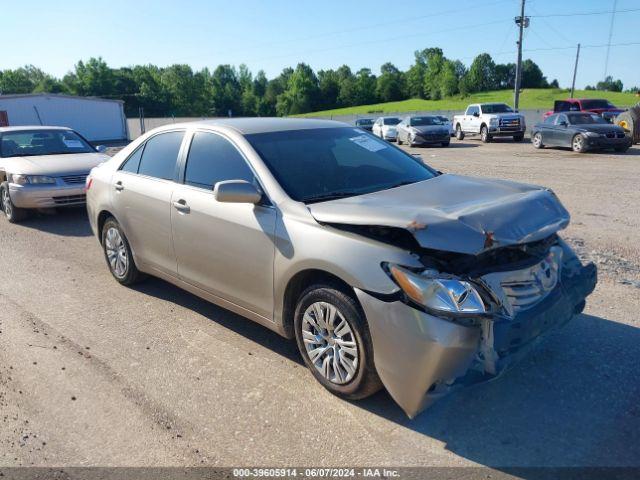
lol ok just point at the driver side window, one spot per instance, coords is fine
(212, 159)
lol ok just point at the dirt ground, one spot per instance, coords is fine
(92, 373)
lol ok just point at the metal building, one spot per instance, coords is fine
(96, 119)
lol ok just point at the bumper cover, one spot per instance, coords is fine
(420, 357)
(601, 142)
(31, 196)
(430, 139)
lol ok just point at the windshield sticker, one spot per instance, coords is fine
(368, 143)
(73, 143)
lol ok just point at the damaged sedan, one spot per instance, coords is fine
(386, 272)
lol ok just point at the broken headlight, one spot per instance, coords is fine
(437, 292)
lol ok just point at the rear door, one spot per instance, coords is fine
(226, 249)
(142, 190)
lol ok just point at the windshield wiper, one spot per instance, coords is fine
(324, 197)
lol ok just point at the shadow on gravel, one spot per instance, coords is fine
(68, 222)
(256, 333)
(572, 402)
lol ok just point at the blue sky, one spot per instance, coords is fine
(273, 34)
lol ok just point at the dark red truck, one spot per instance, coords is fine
(600, 106)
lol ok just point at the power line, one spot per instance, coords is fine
(585, 13)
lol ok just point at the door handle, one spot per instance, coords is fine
(182, 206)
(118, 186)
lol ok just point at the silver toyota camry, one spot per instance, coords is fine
(43, 167)
(385, 271)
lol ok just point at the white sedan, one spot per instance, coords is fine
(43, 167)
(386, 128)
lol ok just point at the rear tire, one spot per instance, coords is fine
(399, 141)
(484, 134)
(578, 144)
(14, 214)
(459, 132)
(352, 347)
(117, 253)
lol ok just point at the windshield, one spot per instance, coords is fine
(364, 121)
(420, 121)
(443, 119)
(584, 119)
(496, 108)
(391, 121)
(326, 163)
(42, 142)
(598, 103)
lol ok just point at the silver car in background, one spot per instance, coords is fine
(43, 167)
(385, 271)
(423, 130)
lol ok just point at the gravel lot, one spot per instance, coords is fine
(92, 373)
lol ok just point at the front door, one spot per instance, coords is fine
(226, 249)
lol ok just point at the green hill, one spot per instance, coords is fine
(541, 98)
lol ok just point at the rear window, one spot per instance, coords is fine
(596, 104)
(391, 121)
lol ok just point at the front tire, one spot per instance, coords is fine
(117, 253)
(459, 132)
(13, 213)
(335, 343)
(537, 140)
(578, 144)
(484, 134)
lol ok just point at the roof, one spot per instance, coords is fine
(247, 126)
(58, 95)
(30, 127)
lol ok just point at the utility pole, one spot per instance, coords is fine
(613, 16)
(575, 70)
(522, 23)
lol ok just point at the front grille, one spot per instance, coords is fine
(74, 179)
(509, 124)
(611, 135)
(70, 200)
(522, 289)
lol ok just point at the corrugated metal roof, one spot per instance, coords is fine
(58, 95)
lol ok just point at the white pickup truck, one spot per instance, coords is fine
(490, 120)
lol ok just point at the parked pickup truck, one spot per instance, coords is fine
(490, 120)
(599, 106)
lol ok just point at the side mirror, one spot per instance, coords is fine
(476, 114)
(236, 191)
(101, 148)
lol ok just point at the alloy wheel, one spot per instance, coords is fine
(330, 342)
(577, 143)
(6, 203)
(116, 252)
(537, 140)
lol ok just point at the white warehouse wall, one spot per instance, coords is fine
(95, 119)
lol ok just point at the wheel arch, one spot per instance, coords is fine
(102, 218)
(302, 280)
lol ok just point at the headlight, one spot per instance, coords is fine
(19, 179)
(493, 122)
(592, 134)
(437, 292)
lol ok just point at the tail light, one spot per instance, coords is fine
(88, 183)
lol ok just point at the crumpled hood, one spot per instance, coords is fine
(455, 213)
(53, 165)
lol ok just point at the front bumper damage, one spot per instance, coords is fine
(421, 357)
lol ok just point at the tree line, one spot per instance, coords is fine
(178, 90)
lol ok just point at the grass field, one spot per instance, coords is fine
(529, 98)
